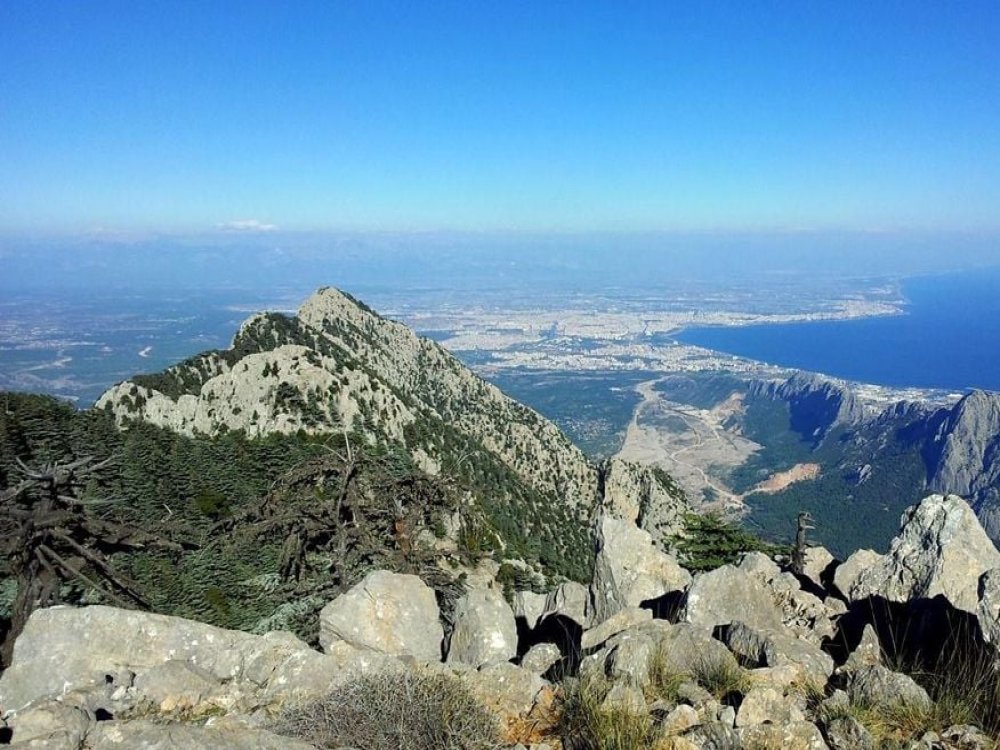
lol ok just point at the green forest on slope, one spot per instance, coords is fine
(238, 502)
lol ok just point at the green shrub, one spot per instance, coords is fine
(212, 504)
(709, 542)
(395, 711)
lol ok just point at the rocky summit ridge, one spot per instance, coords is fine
(750, 655)
(339, 369)
(338, 365)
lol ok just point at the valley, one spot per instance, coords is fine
(691, 444)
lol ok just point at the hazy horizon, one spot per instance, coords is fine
(435, 260)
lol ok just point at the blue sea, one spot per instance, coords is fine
(948, 338)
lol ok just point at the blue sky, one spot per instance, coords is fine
(475, 116)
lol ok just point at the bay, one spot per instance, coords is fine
(948, 338)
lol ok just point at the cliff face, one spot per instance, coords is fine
(968, 463)
(338, 365)
(816, 404)
(957, 447)
(647, 497)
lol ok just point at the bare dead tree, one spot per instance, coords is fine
(50, 536)
(803, 526)
(343, 506)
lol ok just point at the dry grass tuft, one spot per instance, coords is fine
(587, 724)
(722, 678)
(395, 711)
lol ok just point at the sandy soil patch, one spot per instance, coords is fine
(782, 479)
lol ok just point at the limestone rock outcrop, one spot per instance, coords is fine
(847, 573)
(730, 594)
(646, 497)
(387, 613)
(485, 631)
(630, 570)
(941, 550)
(63, 649)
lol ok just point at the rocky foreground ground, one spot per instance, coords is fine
(748, 655)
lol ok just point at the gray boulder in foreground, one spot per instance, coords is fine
(847, 573)
(941, 550)
(388, 613)
(147, 735)
(485, 631)
(67, 649)
(876, 685)
(630, 570)
(730, 594)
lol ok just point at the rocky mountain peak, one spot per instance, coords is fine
(338, 366)
(968, 457)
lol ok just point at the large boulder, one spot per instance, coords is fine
(778, 647)
(729, 594)
(622, 620)
(529, 607)
(505, 689)
(630, 570)
(876, 685)
(941, 550)
(569, 600)
(766, 705)
(485, 630)
(388, 613)
(147, 735)
(816, 561)
(805, 614)
(632, 655)
(67, 649)
(848, 572)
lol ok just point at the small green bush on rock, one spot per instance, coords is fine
(395, 711)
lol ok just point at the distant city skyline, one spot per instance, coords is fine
(263, 117)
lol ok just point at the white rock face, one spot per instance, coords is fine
(530, 607)
(485, 632)
(817, 561)
(569, 600)
(63, 649)
(258, 394)
(847, 573)
(940, 550)
(630, 570)
(388, 613)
